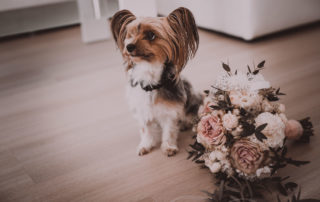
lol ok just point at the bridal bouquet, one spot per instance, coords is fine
(241, 135)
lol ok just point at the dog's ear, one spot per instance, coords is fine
(118, 26)
(186, 39)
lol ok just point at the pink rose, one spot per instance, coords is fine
(293, 129)
(246, 156)
(210, 131)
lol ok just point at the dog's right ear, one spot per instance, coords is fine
(118, 26)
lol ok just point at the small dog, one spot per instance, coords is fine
(155, 50)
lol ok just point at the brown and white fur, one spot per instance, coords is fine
(155, 50)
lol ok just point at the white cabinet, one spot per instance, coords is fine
(247, 19)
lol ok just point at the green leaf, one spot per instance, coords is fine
(260, 136)
(272, 98)
(249, 129)
(261, 127)
(229, 140)
(261, 64)
(228, 99)
(226, 67)
(215, 107)
(296, 162)
(255, 72)
(199, 161)
(197, 146)
(191, 153)
(197, 156)
(284, 151)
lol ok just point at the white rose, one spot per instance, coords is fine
(263, 171)
(275, 129)
(216, 155)
(219, 155)
(230, 121)
(247, 100)
(212, 156)
(215, 167)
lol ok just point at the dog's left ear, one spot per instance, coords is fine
(119, 22)
(186, 39)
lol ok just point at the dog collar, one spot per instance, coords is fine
(146, 88)
(150, 87)
(166, 79)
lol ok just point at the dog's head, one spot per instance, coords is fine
(172, 39)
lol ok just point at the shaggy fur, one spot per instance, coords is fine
(155, 51)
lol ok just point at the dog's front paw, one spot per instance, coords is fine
(169, 150)
(143, 150)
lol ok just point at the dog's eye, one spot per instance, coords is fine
(150, 36)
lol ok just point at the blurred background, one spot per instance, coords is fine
(245, 19)
(66, 133)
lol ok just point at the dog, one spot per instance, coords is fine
(155, 50)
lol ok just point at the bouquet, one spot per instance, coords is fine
(241, 135)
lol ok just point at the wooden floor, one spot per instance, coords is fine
(66, 133)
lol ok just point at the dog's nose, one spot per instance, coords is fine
(130, 47)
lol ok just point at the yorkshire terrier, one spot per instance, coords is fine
(155, 50)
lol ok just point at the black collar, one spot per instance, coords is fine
(151, 87)
(146, 88)
(167, 78)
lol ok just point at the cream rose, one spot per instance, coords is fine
(210, 131)
(214, 167)
(274, 131)
(217, 161)
(247, 100)
(246, 156)
(230, 121)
